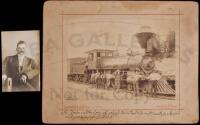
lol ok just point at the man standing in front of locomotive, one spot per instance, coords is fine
(86, 75)
(117, 80)
(110, 79)
(136, 81)
(92, 78)
(97, 78)
(103, 79)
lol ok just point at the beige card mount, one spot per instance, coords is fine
(120, 62)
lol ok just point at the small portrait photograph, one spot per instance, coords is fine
(20, 61)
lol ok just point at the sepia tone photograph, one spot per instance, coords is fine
(20, 61)
(137, 69)
(119, 62)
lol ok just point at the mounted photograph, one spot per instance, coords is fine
(20, 61)
(120, 62)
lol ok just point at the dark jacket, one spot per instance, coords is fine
(11, 69)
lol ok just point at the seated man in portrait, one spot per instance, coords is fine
(21, 69)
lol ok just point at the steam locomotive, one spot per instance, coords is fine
(104, 61)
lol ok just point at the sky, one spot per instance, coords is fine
(85, 33)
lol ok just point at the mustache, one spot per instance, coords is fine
(21, 51)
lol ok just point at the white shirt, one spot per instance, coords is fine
(20, 59)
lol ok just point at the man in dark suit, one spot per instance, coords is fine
(21, 69)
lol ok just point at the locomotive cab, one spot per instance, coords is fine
(95, 56)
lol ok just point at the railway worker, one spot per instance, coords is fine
(117, 80)
(97, 78)
(110, 78)
(136, 81)
(103, 79)
(92, 78)
(86, 74)
(133, 81)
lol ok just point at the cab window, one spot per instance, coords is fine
(98, 54)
